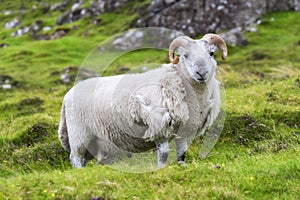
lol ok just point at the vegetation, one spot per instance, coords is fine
(257, 156)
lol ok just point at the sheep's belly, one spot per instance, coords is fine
(130, 143)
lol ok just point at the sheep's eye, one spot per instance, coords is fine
(211, 53)
(186, 56)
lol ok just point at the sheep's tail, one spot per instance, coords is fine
(63, 131)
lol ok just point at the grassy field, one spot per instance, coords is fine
(258, 153)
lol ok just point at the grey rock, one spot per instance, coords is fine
(234, 37)
(7, 12)
(7, 82)
(70, 74)
(3, 45)
(12, 24)
(20, 31)
(46, 28)
(195, 17)
(60, 6)
(60, 32)
(131, 39)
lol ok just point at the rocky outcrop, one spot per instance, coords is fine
(194, 17)
(191, 17)
(234, 37)
(96, 8)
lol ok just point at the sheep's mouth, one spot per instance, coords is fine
(201, 78)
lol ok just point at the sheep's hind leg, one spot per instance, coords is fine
(181, 148)
(77, 161)
(162, 153)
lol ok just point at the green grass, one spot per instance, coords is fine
(257, 154)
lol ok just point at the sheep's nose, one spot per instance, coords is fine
(201, 76)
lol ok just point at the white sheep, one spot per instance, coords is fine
(107, 117)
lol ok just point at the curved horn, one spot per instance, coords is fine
(218, 41)
(180, 41)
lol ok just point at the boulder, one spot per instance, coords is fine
(129, 40)
(234, 37)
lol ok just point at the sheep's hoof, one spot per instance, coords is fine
(181, 163)
(160, 165)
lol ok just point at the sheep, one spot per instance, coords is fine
(107, 117)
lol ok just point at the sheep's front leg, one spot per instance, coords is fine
(181, 148)
(162, 153)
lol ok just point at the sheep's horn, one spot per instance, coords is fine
(218, 41)
(180, 41)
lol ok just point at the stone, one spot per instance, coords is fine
(71, 74)
(62, 19)
(12, 24)
(129, 40)
(59, 32)
(3, 45)
(195, 17)
(20, 31)
(60, 6)
(7, 82)
(234, 37)
(46, 28)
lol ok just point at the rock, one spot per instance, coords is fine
(61, 6)
(234, 37)
(36, 27)
(97, 7)
(168, 2)
(62, 19)
(121, 70)
(7, 82)
(6, 86)
(72, 73)
(12, 24)
(72, 16)
(20, 31)
(129, 40)
(60, 32)
(7, 12)
(68, 74)
(75, 6)
(195, 17)
(46, 28)
(3, 45)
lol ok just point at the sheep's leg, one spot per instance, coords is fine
(181, 148)
(79, 153)
(77, 161)
(162, 153)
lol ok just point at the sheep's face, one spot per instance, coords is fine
(198, 58)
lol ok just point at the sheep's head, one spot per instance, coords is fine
(198, 55)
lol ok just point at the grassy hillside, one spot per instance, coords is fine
(257, 157)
